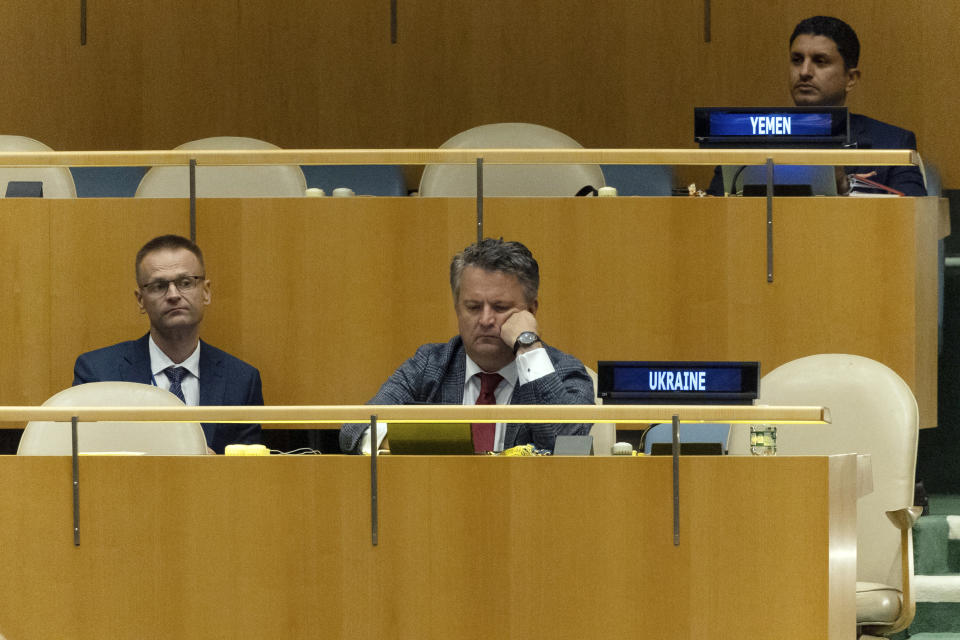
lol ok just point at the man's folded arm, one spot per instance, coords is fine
(569, 383)
(398, 389)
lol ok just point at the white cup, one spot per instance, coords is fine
(607, 192)
(343, 192)
(314, 192)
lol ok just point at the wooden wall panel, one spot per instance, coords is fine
(38, 41)
(25, 316)
(619, 73)
(328, 297)
(71, 262)
(190, 58)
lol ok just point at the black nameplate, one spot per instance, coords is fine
(648, 382)
(771, 126)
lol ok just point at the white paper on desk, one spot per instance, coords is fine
(863, 194)
(365, 441)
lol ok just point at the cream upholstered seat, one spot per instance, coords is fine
(156, 438)
(454, 180)
(873, 412)
(267, 181)
(604, 433)
(57, 181)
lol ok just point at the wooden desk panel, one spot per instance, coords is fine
(469, 548)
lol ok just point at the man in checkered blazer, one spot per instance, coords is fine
(495, 285)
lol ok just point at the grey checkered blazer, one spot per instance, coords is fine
(435, 375)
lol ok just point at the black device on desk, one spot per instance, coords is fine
(788, 180)
(24, 189)
(774, 127)
(688, 449)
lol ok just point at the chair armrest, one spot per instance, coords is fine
(904, 519)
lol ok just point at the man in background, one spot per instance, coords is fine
(824, 68)
(173, 291)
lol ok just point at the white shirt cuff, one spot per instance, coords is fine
(532, 365)
(365, 440)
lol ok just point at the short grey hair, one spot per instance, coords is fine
(497, 255)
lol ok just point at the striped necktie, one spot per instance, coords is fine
(176, 375)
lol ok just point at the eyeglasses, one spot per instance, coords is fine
(183, 284)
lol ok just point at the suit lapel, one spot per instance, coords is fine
(451, 389)
(135, 364)
(212, 382)
(520, 395)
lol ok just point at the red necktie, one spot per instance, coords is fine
(484, 432)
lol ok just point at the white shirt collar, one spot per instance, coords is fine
(509, 372)
(160, 361)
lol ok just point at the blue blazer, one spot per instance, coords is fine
(224, 380)
(435, 375)
(868, 133)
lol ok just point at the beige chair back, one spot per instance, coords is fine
(454, 180)
(873, 412)
(242, 181)
(154, 438)
(57, 181)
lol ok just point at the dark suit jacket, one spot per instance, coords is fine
(435, 375)
(873, 134)
(224, 380)
(868, 133)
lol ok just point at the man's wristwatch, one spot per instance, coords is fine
(525, 339)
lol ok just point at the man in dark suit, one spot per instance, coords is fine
(173, 291)
(824, 59)
(498, 351)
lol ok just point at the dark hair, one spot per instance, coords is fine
(167, 242)
(498, 255)
(837, 30)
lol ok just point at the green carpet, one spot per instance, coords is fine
(931, 552)
(944, 504)
(936, 618)
(935, 554)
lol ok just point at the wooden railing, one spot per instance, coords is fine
(219, 157)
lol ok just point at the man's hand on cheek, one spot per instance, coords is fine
(516, 324)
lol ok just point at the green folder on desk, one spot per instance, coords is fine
(430, 438)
